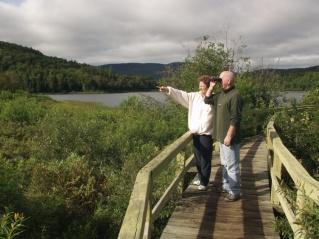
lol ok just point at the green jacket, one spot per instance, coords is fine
(228, 106)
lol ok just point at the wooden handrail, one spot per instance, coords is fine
(307, 186)
(139, 215)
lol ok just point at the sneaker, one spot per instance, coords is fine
(232, 197)
(220, 190)
(196, 182)
(202, 188)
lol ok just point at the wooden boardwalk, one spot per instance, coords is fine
(208, 215)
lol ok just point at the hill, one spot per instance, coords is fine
(154, 70)
(296, 70)
(24, 68)
(28, 69)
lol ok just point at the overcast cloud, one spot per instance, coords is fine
(100, 32)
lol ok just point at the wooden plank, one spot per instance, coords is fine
(207, 215)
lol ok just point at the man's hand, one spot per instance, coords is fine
(210, 89)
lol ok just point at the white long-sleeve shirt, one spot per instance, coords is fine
(200, 115)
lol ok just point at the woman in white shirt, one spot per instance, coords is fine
(200, 124)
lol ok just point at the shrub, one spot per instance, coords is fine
(62, 132)
(10, 190)
(20, 108)
(80, 163)
(299, 133)
(61, 193)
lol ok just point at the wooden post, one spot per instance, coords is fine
(180, 161)
(216, 146)
(276, 169)
(303, 203)
(147, 227)
(301, 206)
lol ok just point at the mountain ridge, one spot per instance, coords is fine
(154, 70)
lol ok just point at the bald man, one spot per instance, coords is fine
(228, 106)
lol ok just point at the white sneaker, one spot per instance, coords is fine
(232, 197)
(202, 188)
(196, 182)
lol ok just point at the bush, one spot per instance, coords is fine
(61, 133)
(61, 194)
(299, 133)
(20, 108)
(10, 190)
(72, 170)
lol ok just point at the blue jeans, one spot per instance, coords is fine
(229, 157)
(203, 150)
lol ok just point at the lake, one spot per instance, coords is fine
(109, 99)
(114, 99)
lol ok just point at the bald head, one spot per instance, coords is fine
(228, 79)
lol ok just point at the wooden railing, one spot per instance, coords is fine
(279, 157)
(140, 215)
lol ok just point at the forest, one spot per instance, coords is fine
(24, 68)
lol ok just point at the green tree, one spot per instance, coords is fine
(211, 58)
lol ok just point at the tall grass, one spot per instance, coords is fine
(70, 168)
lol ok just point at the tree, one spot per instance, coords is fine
(211, 58)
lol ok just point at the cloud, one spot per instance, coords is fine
(99, 32)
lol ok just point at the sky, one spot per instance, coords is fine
(278, 33)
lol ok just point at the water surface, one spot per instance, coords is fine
(109, 99)
(114, 99)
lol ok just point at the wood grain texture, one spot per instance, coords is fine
(207, 215)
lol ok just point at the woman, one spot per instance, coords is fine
(200, 124)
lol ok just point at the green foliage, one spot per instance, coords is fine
(72, 170)
(15, 140)
(161, 118)
(10, 190)
(11, 224)
(210, 58)
(23, 68)
(257, 87)
(61, 193)
(62, 132)
(282, 227)
(311, 97)
(303, 79)
(23, 109)
(19, 113)
(154, 70)
(299, 132)
(309, 218)
(256, 90)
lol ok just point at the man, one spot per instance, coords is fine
(227, 118)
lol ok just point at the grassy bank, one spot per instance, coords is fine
(69, 168)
